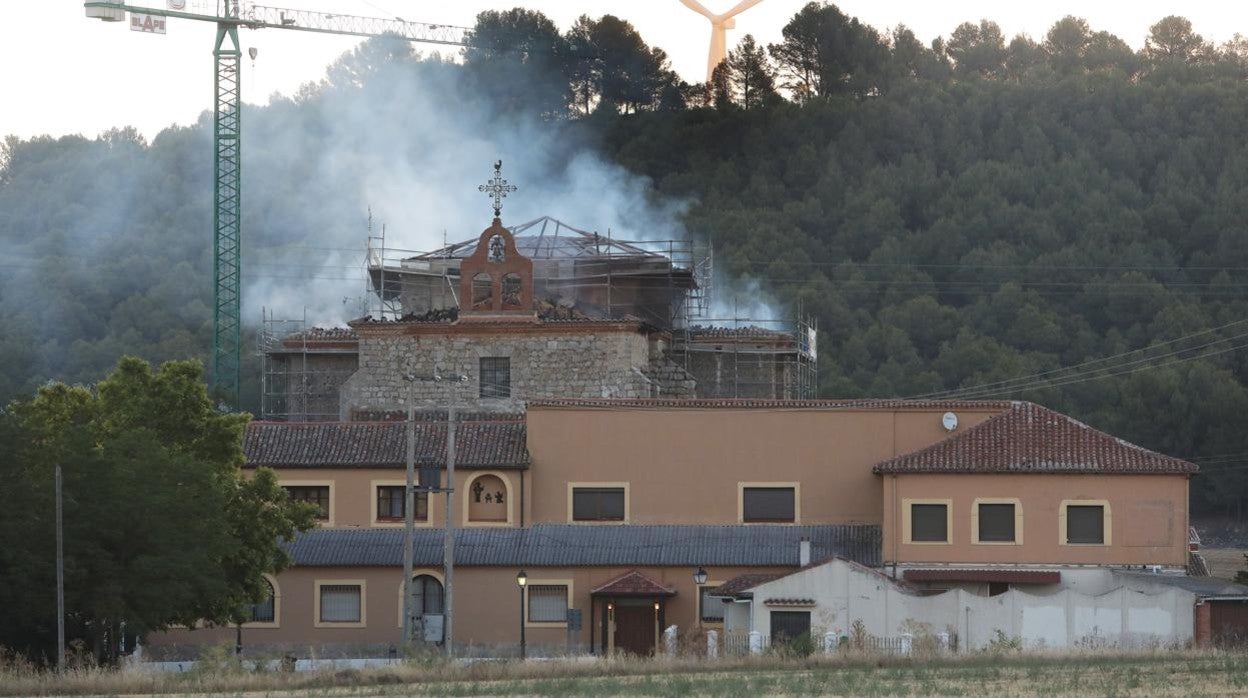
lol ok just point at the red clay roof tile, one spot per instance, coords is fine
(1028, 438)
(496, 444)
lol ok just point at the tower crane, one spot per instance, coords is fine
(230, 16)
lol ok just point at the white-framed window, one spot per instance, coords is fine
(768, 502)
(598, 502)
(340, 603)
(927, 521)
(547, 601)
(997, 521)
(1085, 522)
(710, 608)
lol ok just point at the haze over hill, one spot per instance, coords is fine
(969, 213)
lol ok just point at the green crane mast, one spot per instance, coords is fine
(229, 15)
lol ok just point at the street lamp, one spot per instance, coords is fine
(521, 580)
(699, 577)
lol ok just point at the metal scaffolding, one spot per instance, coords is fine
(303, 368)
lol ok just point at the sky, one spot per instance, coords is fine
(67, 74)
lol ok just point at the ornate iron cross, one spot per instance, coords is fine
(498, 188)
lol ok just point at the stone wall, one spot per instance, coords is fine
(545, 363)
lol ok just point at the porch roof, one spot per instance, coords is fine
(632, 583)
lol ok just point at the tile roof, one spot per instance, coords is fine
(785, 601)
(558, 545)
(742, 582)
(746, 403)
(632, 583)
(1028, 438)
(479, 444)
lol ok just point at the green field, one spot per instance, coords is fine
(1187, 674)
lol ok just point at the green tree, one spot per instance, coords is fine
(519, 57)
(1172, 39)
(751, 76)
(977, 49)
(1067, 44)
(161, 527)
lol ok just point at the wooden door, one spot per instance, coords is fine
(634, 630)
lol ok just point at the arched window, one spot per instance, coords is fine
(426, 595)
(482, 290)
(265, 611)
(511, 291)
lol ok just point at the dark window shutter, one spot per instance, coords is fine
(929, 523)
(769, 504)
(598, 504)
(996, 523)
(1085, 523)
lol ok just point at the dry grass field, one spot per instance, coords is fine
(1224, 562)
(1184, 673)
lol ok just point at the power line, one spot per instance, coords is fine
(1033, 377)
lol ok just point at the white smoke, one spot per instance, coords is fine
(413, 142)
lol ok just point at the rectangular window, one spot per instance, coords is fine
(929, 523)
(495, 373)
(340, 603)
(390, 504)
(1085, 523)
(996, 523)
(789, 626)
(769, 504)
(712, 607)
(314, 494)
(598, 504)
(548, 603)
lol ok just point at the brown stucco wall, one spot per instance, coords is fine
(353, 495)
(1149, 518)
(487, 610)
(683, 465)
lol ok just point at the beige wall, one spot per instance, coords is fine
(684, 466)
(487, 606)
(1148, 518)
(354, 498)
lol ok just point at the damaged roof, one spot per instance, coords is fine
(1028, 438)
(479, 444)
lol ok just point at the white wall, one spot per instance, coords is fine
(1130, 615)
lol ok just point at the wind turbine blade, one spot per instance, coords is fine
(697, 7)
(741, 7)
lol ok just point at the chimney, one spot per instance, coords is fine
(803, 551)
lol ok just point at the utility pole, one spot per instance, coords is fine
(409, 521)
(409, 508)
(60, 579)
(448, 547)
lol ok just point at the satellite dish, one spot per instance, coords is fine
(949, 421)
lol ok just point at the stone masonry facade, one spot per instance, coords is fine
(593, 360)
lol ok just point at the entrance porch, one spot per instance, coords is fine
(627, 615)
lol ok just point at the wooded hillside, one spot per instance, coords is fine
(1059, 219)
